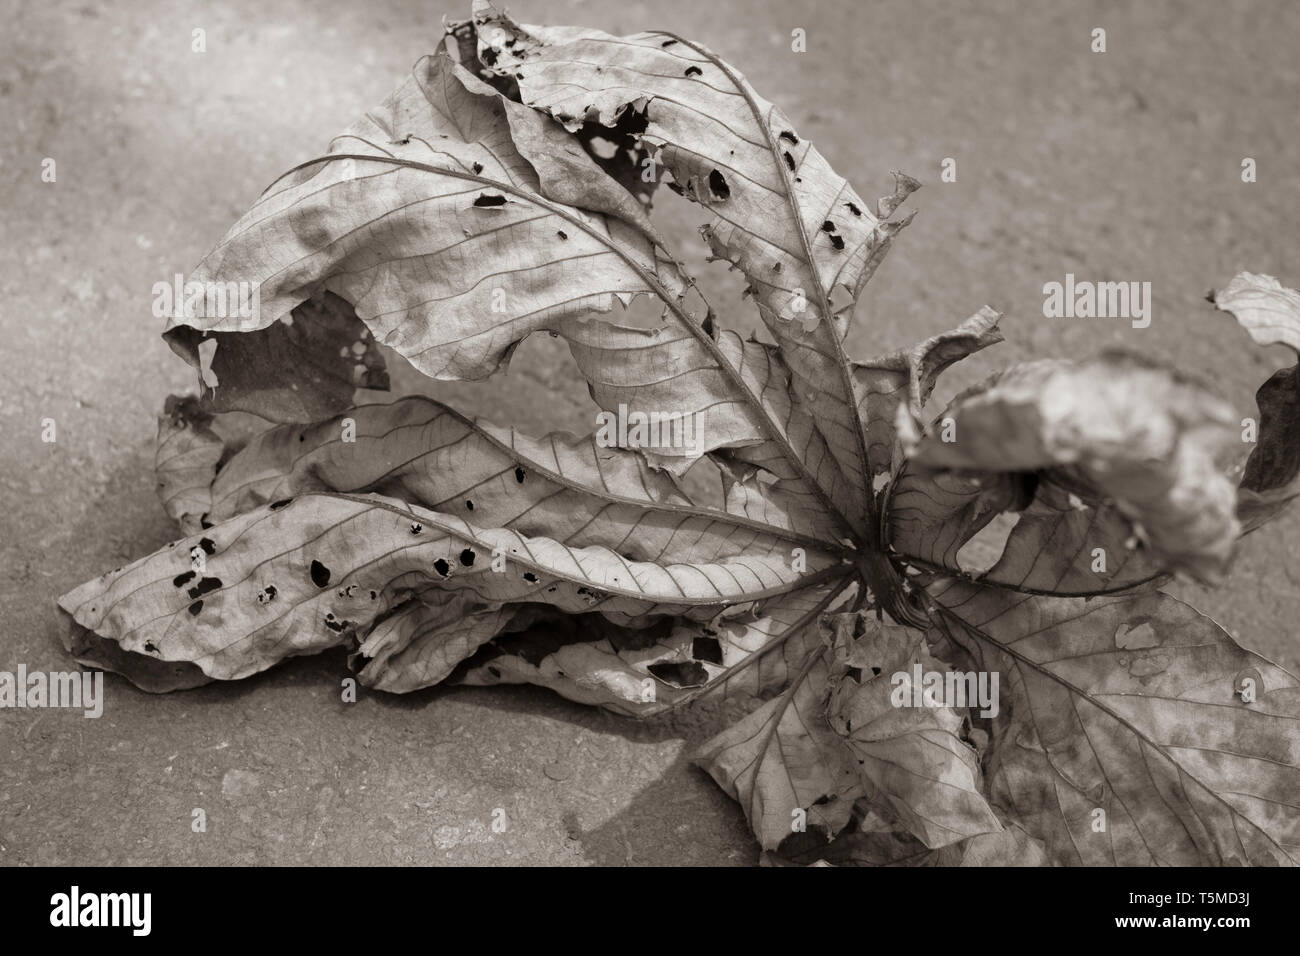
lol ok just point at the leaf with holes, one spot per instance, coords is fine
(947, 629)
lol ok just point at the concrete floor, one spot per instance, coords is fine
(1123, 165)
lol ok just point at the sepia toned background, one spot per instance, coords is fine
(1115, 166)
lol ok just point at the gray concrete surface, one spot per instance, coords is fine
(1123, 165)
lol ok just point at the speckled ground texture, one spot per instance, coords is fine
(1123, 165)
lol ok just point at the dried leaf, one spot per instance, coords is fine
(186, 461)
(429, 221)
(504, 189)
(795, 228)
(1058, 543)
(665, 664)
(907, 377)
(912, 757)
(840, 734)
(1270, 312)
(560, 486)
(785, 765)
(1118, 430)
(150, 674)
(1123, 738)
(421, 642)
(299, 576)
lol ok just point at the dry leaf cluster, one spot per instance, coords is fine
(850, 542)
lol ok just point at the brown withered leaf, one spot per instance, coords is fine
(764, 518)
(848, 730)
(304, 574)
(1134, 730)
(777, 210)
(1138, 446)
(751, 650)
(1270, 312)
(785, 765)
(912, 756)
(185, 461)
